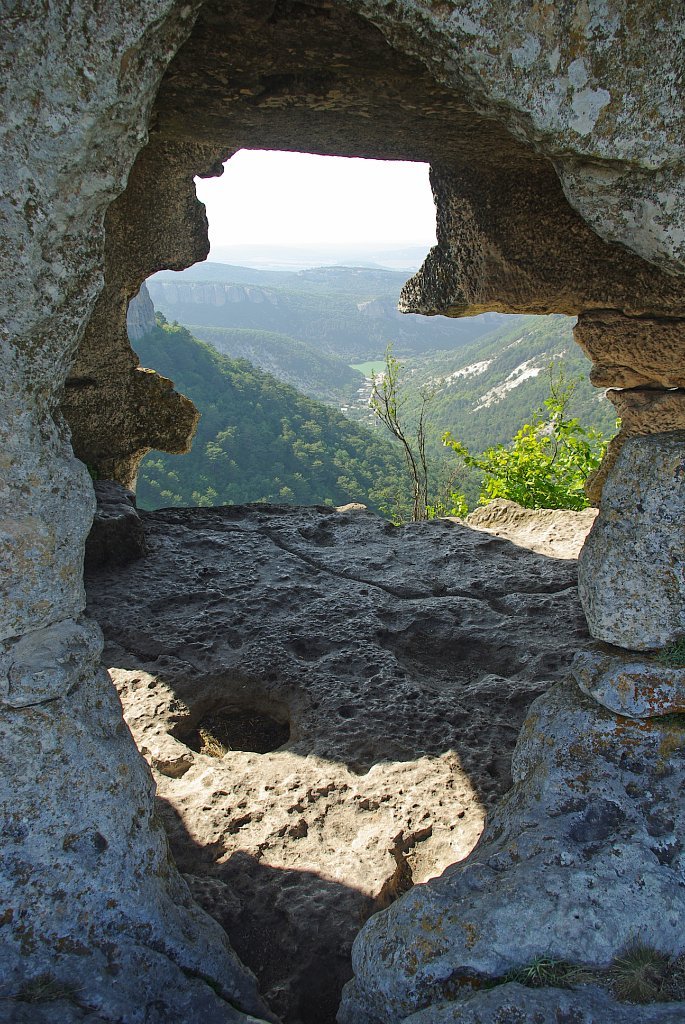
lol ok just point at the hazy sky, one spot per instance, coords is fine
(298, 199)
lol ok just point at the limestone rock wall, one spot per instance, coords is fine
(140, 315)
(88, 897)
(495, 95)
(596, 86)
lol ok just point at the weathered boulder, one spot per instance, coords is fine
(579, 858)
(558, 533)
(628, 685)
(631, 571)
(364, 685)
(514, 1004)
(646, 410)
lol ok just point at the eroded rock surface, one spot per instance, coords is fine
(391, 667)
(117, 532)
(632, 567)
(583, 855)
(518, 1005)
(557, 533)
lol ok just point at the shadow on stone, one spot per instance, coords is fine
(293, 929)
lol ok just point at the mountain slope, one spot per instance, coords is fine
(258, 439)
(320, 376)
(486, 391)
(348, 312)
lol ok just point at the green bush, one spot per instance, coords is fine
(548, 461)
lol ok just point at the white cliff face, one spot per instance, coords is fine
(140, 318)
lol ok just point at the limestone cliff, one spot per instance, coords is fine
(140, 316)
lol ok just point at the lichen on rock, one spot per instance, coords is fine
(631, 576)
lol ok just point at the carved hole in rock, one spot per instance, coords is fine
(228, 727)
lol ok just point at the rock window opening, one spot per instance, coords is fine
(570, 207)
(274, 338)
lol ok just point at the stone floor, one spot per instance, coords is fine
(329, 705)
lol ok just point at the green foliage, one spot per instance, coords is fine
(470, 399)
(548, 461)
(639, 973)
(455, 505)
(258, 439)
(672, 656)
(387, 403)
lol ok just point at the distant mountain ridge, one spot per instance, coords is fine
(347, 312)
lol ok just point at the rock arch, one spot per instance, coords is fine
(553, 133)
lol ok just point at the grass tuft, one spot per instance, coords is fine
(46, 989)
(672, 656)
(542, 972)
(638, 973)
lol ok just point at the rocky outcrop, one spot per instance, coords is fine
(389, 667)
(116, 410)
(579, 858)
(632, 352)
(89, 901)
(487, 258)
(641, 410)
(502, 95)
(557, 533)
(630, 573)
(117, 533)
(523, 1005)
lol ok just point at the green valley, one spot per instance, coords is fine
(259, 439)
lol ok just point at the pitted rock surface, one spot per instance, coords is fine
(582, 855)
(631, 571)
(514, 1004)
(402, 660)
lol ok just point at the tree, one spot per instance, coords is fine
(387, 403)
(548, 461)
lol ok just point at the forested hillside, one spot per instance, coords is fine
(324, 377)
(486, 391)
(258, 439)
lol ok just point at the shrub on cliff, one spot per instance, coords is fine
(548, 461)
